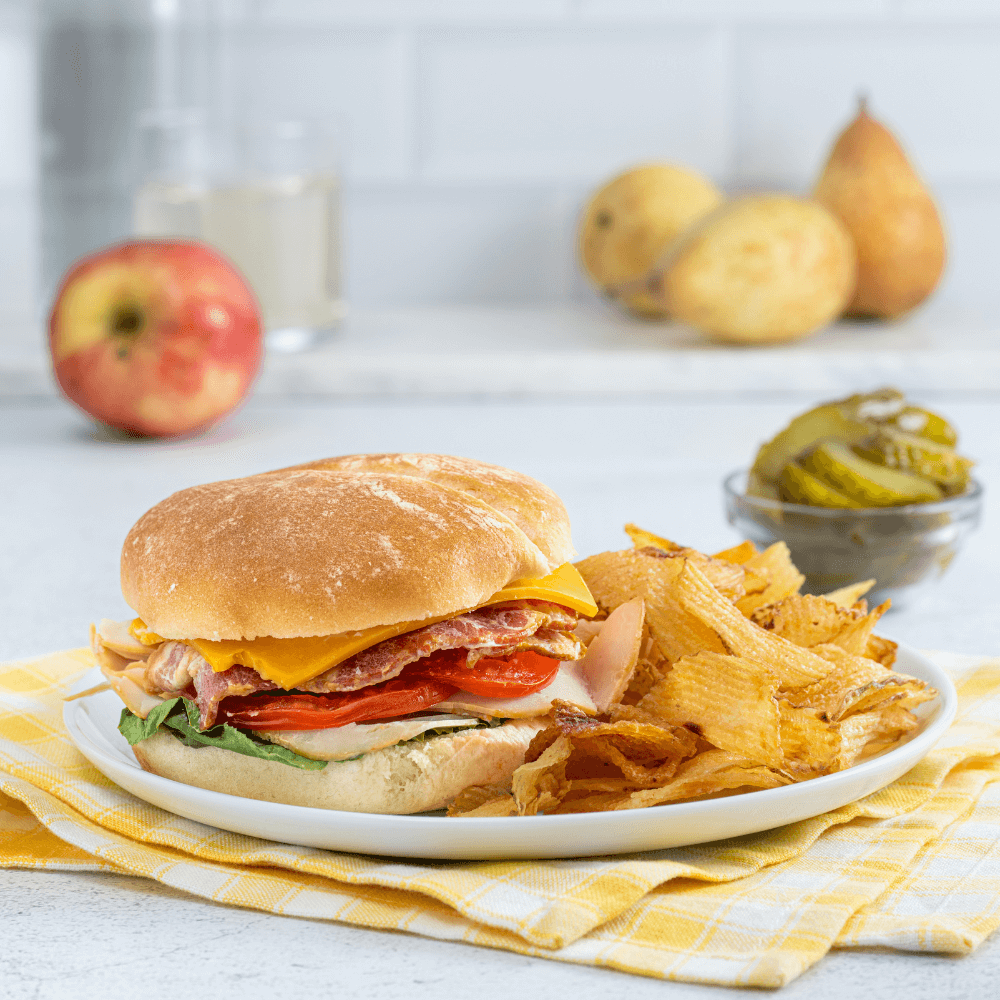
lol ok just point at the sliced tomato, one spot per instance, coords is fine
(421, 685)
(400, 696)
(523, 673)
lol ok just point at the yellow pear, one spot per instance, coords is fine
(760, 269)
(631, 222)
(870, 185)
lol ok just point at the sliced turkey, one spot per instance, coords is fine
(356, 738)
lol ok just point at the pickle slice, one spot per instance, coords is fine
(798, 486)
(910, 453)
(759, 487)
(888, 407)
(881, 406)
(827, 421)
(866, 482)
(925, 424)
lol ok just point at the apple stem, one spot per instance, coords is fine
(127, 321)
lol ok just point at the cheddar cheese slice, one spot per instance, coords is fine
(289, 662)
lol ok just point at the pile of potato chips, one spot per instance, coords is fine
(742, 683)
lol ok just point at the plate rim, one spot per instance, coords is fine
(230, 809)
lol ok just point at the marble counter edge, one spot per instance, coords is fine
(335, 373)
(463, 351)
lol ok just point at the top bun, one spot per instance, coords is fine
(330, 548)
(532, 506)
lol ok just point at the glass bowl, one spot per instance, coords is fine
(906, 549)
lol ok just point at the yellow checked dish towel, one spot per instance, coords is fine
(915, 866)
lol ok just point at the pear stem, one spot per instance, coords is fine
(863, 102)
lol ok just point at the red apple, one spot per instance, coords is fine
(155, 337)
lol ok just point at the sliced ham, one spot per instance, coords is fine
(356, 738)
(613, 653)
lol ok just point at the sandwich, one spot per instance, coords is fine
(371, 633)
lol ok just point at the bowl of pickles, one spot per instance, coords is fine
(867, 487)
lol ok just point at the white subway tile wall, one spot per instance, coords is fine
(18, 157)
(362, 77)
(475, 128)
(938, 87)
(557, 104)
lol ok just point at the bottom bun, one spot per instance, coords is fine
(406, 778)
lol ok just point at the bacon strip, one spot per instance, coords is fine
(487, 632)
(500, 630)
(211, 688)
(172, 667)
(177, 668)
(548, 642)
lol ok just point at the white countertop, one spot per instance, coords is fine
(69, 496)
(591, 350)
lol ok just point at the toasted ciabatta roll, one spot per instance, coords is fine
(406, 778)
(386, 614)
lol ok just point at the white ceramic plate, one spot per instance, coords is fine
(93, 725)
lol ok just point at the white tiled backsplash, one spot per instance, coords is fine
(477, 127)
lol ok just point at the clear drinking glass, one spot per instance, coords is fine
(267, 195)
(175, 170)
(99, 64)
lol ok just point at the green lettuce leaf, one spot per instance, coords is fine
(181, 716)
(135, 729)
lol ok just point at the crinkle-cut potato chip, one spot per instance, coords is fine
(783, 578)
(834, 694)
(678, 633)
(642, 539)
(727, 578)
(846, 597)
(617, 577)
(733, 691)
(483, 800)
(729, 700)
(642, 746)
(881, 650)
(803, 619)
(738, 553)
(809, 744)
(882, 689)
(648, 671)
(739, 636)
(580, 754)
(808, 620)
(869, 733)
(755, 580)
(708, 774)
(854, 636)
(539, 785)
(856, 684)
(726, 575)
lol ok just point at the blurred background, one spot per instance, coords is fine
(408, 179)
(470, 133)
